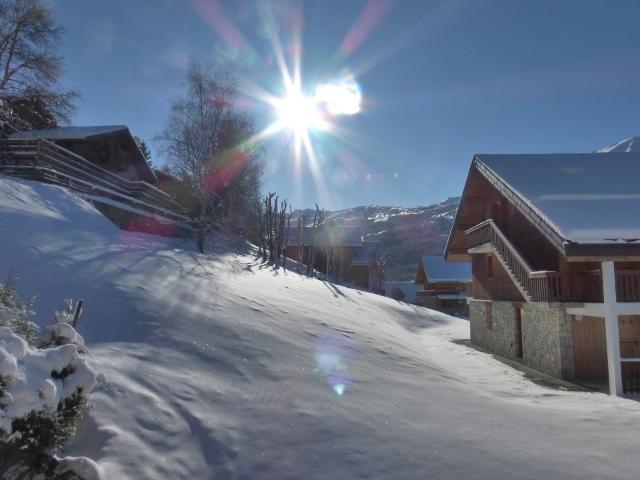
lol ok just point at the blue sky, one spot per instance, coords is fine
(441, 80)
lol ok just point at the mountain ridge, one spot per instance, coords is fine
(407, 233)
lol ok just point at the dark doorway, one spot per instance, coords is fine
(518, 331)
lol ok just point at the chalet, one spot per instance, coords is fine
(443, 286)
(333, 249)
(554, 245)
(104, 165)
(111, 147)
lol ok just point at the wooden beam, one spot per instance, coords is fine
(604, 258)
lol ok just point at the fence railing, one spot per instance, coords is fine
(535, 284)
(48, 162)
(547, 285)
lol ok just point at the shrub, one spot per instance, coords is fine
(44, 387)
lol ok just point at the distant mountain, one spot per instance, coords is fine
(406, 233)
(625, 146)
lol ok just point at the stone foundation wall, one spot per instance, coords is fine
(500, 338)
(547, 338)
(546, 334)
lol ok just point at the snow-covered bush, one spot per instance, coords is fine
(16, 313)
(44, 388)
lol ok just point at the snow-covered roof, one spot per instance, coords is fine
(438, 270)
(328, 236)
(67, 133)
(586, 198)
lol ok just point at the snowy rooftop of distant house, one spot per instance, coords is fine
(587, 198)
(438, 270)
(327, 236)
(67, 133)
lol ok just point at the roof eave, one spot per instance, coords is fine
(455, 219)
(601, 251)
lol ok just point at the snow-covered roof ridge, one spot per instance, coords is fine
(580, 196)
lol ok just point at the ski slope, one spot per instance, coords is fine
(220, 367)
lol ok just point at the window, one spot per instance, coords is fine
(490, 266)
(488, 319)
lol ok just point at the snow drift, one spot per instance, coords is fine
(218, 366)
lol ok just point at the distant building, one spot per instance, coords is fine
(407, 287)
(338, 249)
(111, 147)
(554, 244)
(443, 286)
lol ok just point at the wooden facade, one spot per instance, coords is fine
(518, 256)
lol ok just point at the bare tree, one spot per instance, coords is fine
(208, 145)
(377, 265)
(273, 223)
(316, 228)
(30, 68)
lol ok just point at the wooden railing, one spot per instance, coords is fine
(552, 286)
(537, 285)
(48, 162)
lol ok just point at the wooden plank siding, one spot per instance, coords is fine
(589, 349)
(500, 286)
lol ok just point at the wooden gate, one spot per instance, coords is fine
(630, 348)
(589, 349)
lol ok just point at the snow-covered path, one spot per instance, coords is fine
(219, 367)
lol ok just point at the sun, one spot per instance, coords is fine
(299, 113)
(302, 113)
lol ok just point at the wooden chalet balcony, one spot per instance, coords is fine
(547, 285)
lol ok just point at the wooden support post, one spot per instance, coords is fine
(76, 314)
(612, 327)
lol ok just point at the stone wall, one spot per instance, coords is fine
(500, 338)
(546, 334)
(547, 338)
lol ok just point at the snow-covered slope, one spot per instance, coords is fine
(627, 145)
(220, 367)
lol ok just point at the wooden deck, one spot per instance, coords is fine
(552, 286)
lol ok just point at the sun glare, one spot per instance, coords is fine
(301, 114)
(309, 112)
(298, 113)
(341, 98)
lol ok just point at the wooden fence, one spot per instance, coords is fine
(48, 162)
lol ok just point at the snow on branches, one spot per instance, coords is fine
(45, 382)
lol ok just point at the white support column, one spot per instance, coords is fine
(611, 327)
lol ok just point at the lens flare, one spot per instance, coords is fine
(340, 98)
(333, 353)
